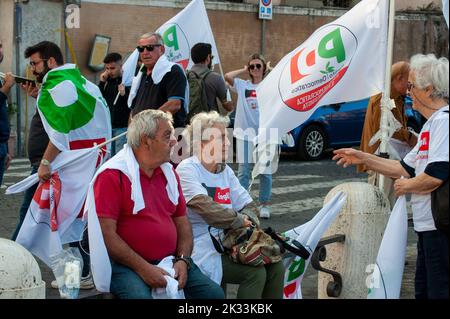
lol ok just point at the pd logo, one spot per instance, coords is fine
(222, 196)
(176, 43)
(424, 141)
(316, 67)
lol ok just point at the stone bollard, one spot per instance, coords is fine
(20, 276)
(362, 220)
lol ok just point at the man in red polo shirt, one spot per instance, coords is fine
(137, 240)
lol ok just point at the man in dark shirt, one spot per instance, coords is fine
(201, 55)
(168, 93)
(116, 96)
(5, 157)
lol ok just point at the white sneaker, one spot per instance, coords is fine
(264, 212)
(85, 282)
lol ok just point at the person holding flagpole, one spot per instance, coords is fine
(246, 125)
(425, 169)
(70, 115)
(399, 81)
(160, 84)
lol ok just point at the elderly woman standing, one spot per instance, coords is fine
(217, 201)
(426, 168)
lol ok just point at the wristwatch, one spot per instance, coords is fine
(182, 258)
(45, 162)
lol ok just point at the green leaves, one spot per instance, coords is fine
(328, 69)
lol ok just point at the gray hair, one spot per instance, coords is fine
(199, 124)
(158, 37)
(145, 123)
(430, 70)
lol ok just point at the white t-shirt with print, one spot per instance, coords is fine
(224, 188)
(247, 110)
(431, 147)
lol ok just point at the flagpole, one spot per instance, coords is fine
(386, 98)
(111, 140)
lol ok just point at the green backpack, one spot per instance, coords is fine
(198, 101)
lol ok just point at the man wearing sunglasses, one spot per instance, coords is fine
(160, 84)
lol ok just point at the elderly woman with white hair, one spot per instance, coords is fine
(217, 201)
(425, 168)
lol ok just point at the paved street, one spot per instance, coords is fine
(299, 189)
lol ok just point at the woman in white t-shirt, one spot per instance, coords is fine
(426, 168)
(216, 201)
(246, 125)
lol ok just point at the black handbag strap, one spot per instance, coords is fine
(298, 249)
(220, 249)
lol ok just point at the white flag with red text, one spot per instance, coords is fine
(183, 31)
(54, 215)
(342, 61)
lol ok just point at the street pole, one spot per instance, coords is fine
(18, 38)
(263, 36)
(66, 46)
(385, 100)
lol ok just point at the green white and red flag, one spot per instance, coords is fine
(73, 111)
(342, 61)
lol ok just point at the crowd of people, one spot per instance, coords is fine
(186, 206)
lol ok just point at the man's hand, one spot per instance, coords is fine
(104, 76)
(44, 173)
(348, 156)
(30, 90)
(154, 276)
(8, 83)
(181, 272)
(121, 89)
(8, 161)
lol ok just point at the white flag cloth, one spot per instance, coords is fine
(53, 218)
(340, 62)
(445, 10)
(308, 235)
(127, 164)
(183, 31)
(129, 68)
(386, 279)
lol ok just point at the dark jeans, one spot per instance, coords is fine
(3, 152)
(126, 284)
(431, 281)
(28, 196)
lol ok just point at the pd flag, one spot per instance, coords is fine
(53, 217)
(340, 62)
(308, 235)
(183, 31)
(386, 279)
(72, 109)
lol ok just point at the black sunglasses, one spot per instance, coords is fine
(149, 47)
(253, 66)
